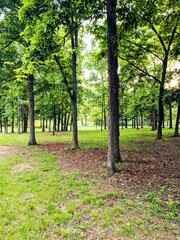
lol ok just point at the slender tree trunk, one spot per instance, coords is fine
(62, 120)
(12, 123)
(58, 120)
(43, 124)
(25, 119)
(113, 88)
(0, 125)
(32, 139)
(74, 45)
(105, 119)
(142, 121)
(19, 116)
(22, 122)
(6, 125)
(137, 123)
(67, 121)
(54, 119)
(170, 116)
(49, 127)
(176, 132)
(126, 123)
(161, 95)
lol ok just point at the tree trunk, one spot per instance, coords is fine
(74, 45)
(49, 127)
(161, 113)
(105, 119)
(12, 123)
(170, 116)
(142, 121)
(0, 126)
(176, 132)
(137, 123)
(54, 119)
(161, 95)
(32, 140)
(19, 116)
(58, 120)
(43, 124)
(6, 125)
(25, 119)
(154, 120)
(113, 88)
(126, 123)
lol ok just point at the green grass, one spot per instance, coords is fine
(88, 137)
(39, 202)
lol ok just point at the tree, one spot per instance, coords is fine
(154, 36)
(113, 86)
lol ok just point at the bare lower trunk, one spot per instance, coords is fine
(32, 140)
(154, 121)
(0, 126)
(170, 116)
(19, 116)
(6, 125)
(113, 88)
(176, 132)
(160, 100)
(74, 45)
(43, 124)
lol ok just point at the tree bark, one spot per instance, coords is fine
(160, 99)
(6, 125)
(12, 123)
(142, 121)
(113, 88)
(176, 132)
(170, 116)
(0, 126)
(54, 119)
(19, 116)
(32, 139)
(154, 120)
(74, 45)
(43, 124)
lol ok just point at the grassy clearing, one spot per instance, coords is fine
(88, 138)
(37, 201)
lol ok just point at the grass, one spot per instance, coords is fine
(39, 202)
(88, 138)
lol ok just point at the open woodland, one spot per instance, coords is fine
(89, 119)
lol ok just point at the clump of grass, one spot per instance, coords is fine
(166, 208)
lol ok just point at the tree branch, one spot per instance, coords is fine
(159, 37)
(146, 49)
(172, 36)
(63, 75)
(141, 70)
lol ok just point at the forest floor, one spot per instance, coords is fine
(52, 192)
(143, 163)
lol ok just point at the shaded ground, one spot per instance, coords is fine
(144, 163)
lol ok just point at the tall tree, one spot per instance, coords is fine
(113, 86)
(154, 38)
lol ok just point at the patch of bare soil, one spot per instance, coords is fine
(4, 150)
(159, 161)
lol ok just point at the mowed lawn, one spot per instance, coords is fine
(41, 199)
